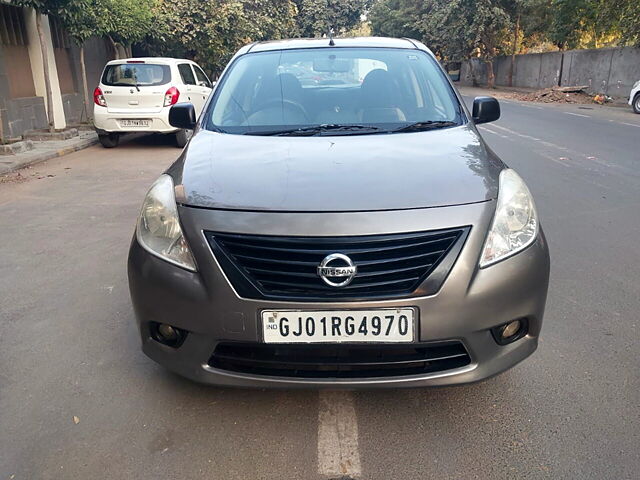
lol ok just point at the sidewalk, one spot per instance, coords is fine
(516, 93)
(46, 150)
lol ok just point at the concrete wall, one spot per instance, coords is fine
(19, 115)
(74, 108)
(611, 71)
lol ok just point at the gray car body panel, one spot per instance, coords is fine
(332, 186)
(337, 173)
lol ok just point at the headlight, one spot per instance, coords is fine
(158, 229)
(515, 223)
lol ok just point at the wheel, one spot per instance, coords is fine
(636, 103)
(110, 140)
(182, 137)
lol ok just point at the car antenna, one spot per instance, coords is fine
(331, 42)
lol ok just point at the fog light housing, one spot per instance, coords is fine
(167, 334)
(511, 331)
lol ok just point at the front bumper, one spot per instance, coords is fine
(470, 302)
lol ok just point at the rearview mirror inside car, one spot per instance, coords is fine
(183, 115)
(485, 109)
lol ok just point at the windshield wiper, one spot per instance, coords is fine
(427, 125)
(135, 79)
(316, 129)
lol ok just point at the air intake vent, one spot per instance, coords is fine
(387, 265)
(339, 361)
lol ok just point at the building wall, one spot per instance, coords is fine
(22, 87)
(611, 71)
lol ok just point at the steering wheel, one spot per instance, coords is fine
(289, 104)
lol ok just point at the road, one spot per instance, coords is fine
(78, 400)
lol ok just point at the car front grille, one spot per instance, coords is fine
(339, 361)
(394, 265)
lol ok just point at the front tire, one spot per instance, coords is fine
(110, 140)
(636, 103)
(182, 137)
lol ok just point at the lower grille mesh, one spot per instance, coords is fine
(339, 361)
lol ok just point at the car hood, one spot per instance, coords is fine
(336, 173)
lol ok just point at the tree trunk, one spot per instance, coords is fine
(116, 52)
(491, 78)
(516, 35)
(85, 88)
(45, 65)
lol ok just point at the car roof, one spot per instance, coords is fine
(164, 60)
(298, 43)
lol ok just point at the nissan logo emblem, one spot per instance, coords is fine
(337, 270)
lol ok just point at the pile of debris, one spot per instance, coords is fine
(575, 94)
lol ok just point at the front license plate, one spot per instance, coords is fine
(393, 325)
(134, 123)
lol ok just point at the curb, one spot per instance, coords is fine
(34, 159)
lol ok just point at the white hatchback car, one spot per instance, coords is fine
(136, 94)
(634, 97)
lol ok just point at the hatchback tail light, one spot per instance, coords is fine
(98, 97)
(171, 97)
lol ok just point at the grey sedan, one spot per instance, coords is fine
(353, 231)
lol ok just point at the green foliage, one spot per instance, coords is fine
(629, 22)
(455, 28)
(210, 32)
(125, 21)
(397, 18)
(317, 17)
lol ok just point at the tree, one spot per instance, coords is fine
(396, 18)
(453, 29)
(124, 22)
(318, 17)
(81, 23)
(210, 32)
(629, 21)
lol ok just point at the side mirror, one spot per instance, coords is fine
(183, 115)
(485, 109)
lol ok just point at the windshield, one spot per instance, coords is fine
(131, 74)
(382, 89)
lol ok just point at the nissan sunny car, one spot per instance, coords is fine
(337, 220)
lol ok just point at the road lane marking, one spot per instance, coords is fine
(531, 106)
(486, 129)
(562, 160)
(624, 123)
(577, 114)
(338, 435)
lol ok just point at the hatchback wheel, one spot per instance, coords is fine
(182, 137)
(110, 140)
(636, 103)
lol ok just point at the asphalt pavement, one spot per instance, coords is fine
(78, 400)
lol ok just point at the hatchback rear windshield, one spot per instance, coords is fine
(132, 74)
(382, 87)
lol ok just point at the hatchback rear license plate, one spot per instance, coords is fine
(389, 325)
(134, 123)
